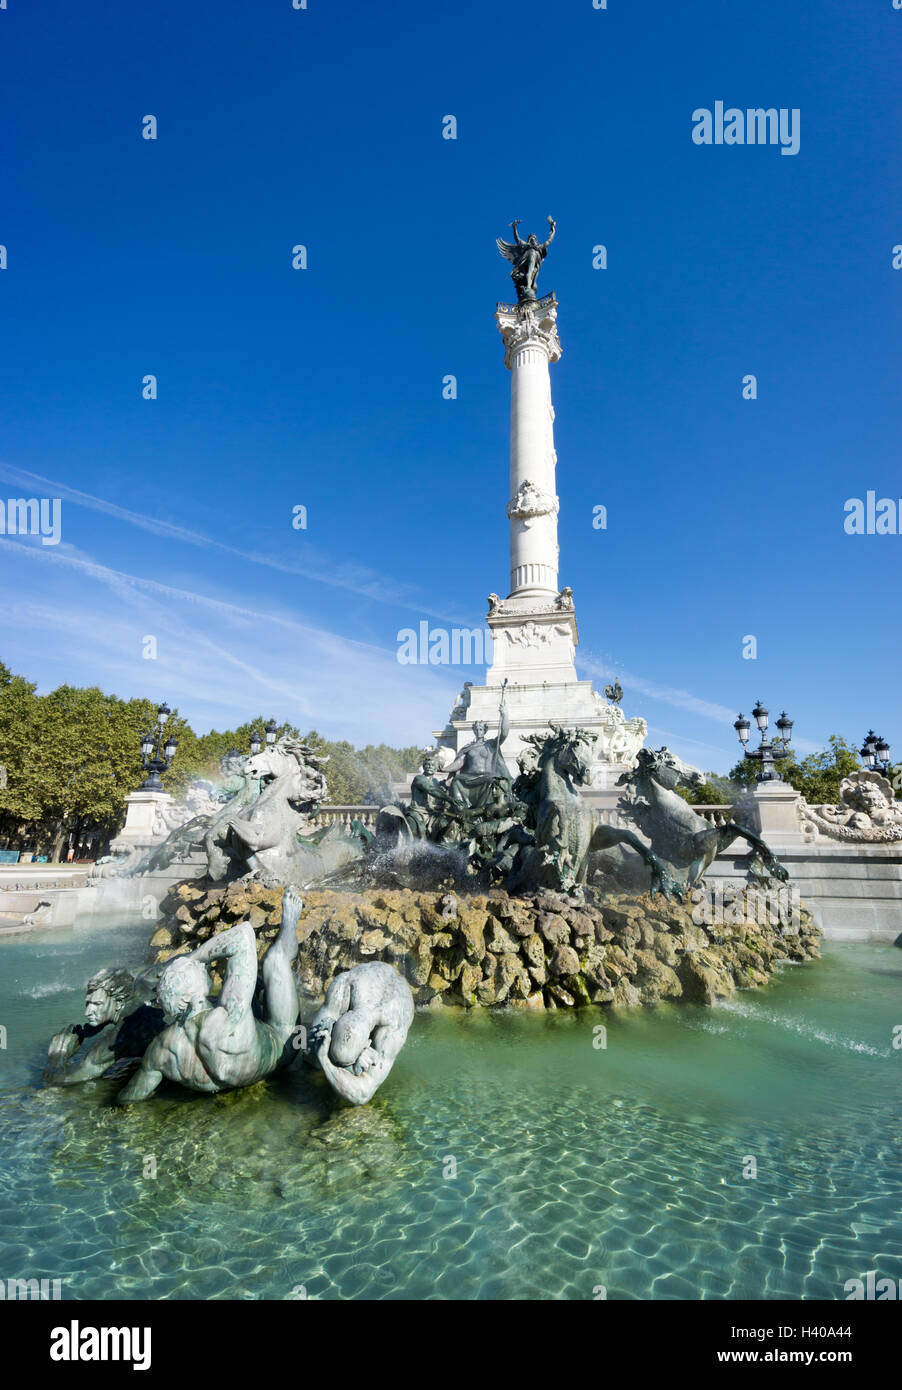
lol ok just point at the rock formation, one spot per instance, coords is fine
(544, 951)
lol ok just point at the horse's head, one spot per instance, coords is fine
(663, 767)
(290, 758)
(268, 764)
(568, 751)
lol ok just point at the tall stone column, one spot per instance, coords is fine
(531, 342)
(533, 629)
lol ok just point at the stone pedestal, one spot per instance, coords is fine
(534, 630)
(142, 820)
(775, 806)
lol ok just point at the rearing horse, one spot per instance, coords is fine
(567, 829)
(682, 839)
(263, 837)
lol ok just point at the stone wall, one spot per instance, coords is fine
(547, 951)
(854, 892)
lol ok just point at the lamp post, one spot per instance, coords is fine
(270, 733)
(770, 751)
(151, 760)
(876, 753)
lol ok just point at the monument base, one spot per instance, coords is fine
(533, 708)
(534, 641)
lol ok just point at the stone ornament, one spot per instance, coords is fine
(213, 1044)
(529, 325)
(619, 738)
(531, 635)
(530, 503)
(360, 1029)
(119, 1026)
(200, 799)
(867, 812)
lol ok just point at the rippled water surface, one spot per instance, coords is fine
(506, 1156)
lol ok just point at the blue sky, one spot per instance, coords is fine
(323, 387)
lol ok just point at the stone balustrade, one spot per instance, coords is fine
(329, 814)
(717, 815)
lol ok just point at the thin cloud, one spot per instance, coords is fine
(119, 581)
(356, 579)
(223, 666)
(670, 695)
(680, 699)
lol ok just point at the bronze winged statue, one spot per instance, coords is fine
(526, 257)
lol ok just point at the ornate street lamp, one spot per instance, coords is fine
(771, 751)
(876, 753)
(270, 734)
(151, 760)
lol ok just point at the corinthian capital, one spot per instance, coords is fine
(529, 325)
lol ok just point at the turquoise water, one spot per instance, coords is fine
(505, 1157)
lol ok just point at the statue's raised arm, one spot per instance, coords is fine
(510, 250)
(550, 238)
(504, 719)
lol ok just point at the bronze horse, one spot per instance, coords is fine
(685, 843)
(566, 828)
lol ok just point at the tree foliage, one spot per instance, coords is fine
(72, 757)
(817, 776)
(714, 791)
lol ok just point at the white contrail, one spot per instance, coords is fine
(356, 579)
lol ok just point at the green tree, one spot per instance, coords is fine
(817, 776)
(19, 731)
(72, 757)
(744, 776)
(715, 791)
